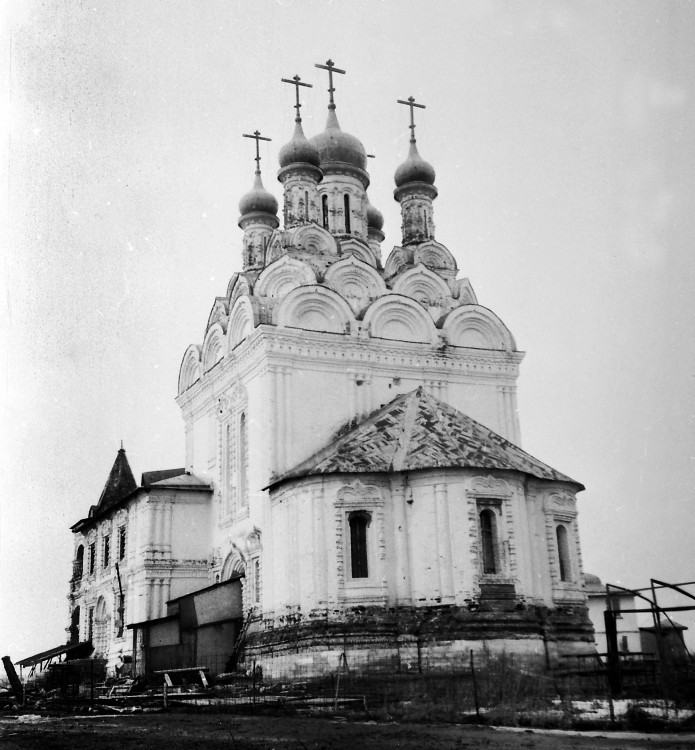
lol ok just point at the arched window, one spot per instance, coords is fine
(346, 201)
(563, 553)
(306, 205)
(488, 538)
(359, 557)
(78, 565)
(324, 207)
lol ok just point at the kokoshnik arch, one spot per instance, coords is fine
(352, 458)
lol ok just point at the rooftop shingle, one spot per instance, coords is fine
(417, 431)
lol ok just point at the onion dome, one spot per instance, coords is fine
(299, 150)
(375, 219)
(414, 169)
(258, 200)
(336, 146)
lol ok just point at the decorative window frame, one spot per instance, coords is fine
(560, 509)
(367, 498)
(494, 494)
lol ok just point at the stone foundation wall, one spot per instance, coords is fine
(411, 638)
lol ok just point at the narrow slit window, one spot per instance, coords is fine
(92, 557)
(346, 201)
(563, 552)
(107, 551)
(121, 543)
(488, 538)
(324, 207)
(306, 205)
(359, 557)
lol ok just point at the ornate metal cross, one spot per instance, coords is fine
(412, 104)
(257, 137)
(330, 67)
(296, 81)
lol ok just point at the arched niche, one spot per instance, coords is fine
(424, 286)
(436, 257)
(359, 250)
(400, 318)
(213, 347)
(315, 308)
(355, 281)
(190, 370)
(234, 565)
(218, 314)
(238, 287)
(242, 321)
(282, 276)
(478, 328)
(399, 259)
(311, 238)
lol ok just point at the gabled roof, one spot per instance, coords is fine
(417, 431)
(120, 483)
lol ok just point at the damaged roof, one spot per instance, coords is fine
(417, 431)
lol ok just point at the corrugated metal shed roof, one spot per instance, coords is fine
(417, 431)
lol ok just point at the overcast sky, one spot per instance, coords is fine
(562, 137)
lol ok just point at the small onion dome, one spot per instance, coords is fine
(375, 219)
(414, 169)
(299, 150)
(258, 200)
(335, 145)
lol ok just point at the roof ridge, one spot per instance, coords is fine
(411, 410)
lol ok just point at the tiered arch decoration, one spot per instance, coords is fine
(462, 291)
(218, 314)
(478, 328)
(436, 257)
(359, 250)
(213, 347)
(276, 247)
(310, 238)
(355, 281)
(399, 258)
(191, 370)
(238, 287)
(315, 308)
(284, 275)
(242, 321)
(424, 286)
(397, 317)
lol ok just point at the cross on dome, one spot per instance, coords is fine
(330, 67)
(296, 81)
(257, 137)
(412, 104)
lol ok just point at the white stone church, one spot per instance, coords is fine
(352, 460)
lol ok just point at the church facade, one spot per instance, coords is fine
(352, 433)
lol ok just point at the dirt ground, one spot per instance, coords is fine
(233, 732)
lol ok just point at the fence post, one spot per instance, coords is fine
(475, 690)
